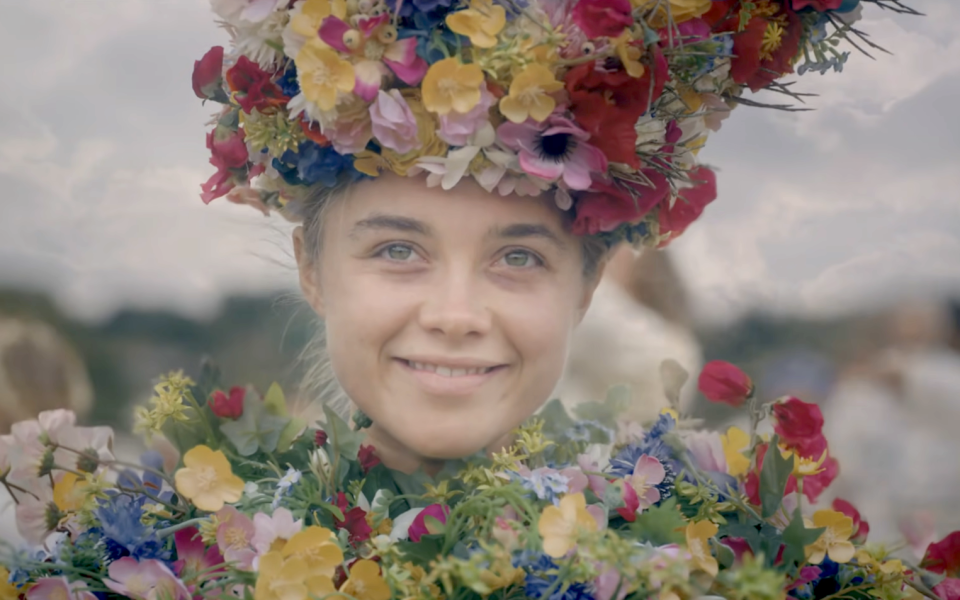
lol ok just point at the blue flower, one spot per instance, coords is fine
(314, 164)
(124, 534)
(288, 81)
(284, 486)
(653, 445)
(541, 577)
(547, 485)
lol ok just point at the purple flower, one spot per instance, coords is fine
(554, 149)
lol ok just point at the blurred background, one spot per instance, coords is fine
(829, 267)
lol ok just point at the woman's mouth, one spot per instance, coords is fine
(450, 378)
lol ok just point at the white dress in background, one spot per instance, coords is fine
(623, 342)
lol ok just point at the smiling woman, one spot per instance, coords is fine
(447, 319)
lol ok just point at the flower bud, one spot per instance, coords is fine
(723, 382)
(320, 437)
(208, 75)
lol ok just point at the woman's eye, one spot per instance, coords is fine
(398, 252)
(521, 259)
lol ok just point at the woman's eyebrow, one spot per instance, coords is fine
(528, 230)
(394, 222)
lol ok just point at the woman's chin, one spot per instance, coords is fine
(446, 444)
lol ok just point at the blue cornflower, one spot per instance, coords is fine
(546, 484)
(541, 576)
(124, 534)
(288, 81)
(314, 163)
(653, 445)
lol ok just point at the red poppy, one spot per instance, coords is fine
(354, 520)
(253, 87)
(944, 556)
(800, 425)
(228, 406)
(688, 205)
(599, 18)
(723, 382)
(606, 205)
(607, 104)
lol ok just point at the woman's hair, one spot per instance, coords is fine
(319, 381)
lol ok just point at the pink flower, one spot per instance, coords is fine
(554, 149)
(235, 536)
(394, 124)
(602, 18)
(456, 128)
(707, 450)
(32, 509)
(348, 128)
(58, 588)
(596, 483)
(724, 383)
(193, 556)
(948, 589)
(270, 528)
(399, 55)
(647, 473)
(145, 580)
(807, 575)
(420, 528)
(607, 583)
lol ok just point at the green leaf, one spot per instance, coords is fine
(661, 525)
(424, 551)
(609, 410)
(332, 509)
(255, 429)
(342, 439)
(795, 538)
(275, 403)
(556, 421)
(290, 433)
(773, 479)
(184, 435)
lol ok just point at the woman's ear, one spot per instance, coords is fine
(309, 274)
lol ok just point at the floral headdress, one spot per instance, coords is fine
(604, 104)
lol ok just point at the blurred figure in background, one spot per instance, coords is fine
(639, 317)
(38, 371)
(893, 425)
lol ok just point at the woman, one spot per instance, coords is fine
(461, 171)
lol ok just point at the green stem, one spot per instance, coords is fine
(63, 567)
(167, 531)
(203, 416)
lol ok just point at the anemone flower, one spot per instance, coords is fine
(554, 149)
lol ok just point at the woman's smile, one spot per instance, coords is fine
(447, 377)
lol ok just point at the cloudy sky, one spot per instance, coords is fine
(102, 153)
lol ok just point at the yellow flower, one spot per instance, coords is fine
(207, 479)
(323, 73)
(501, 574)
(317, 547)
(365, 582)
(481, 22)
(629, 54)
(451, 85)
(734, 441)
(805, 467)
(698, 544)
(8, 591)
(892, 567)
(312, 14)
(71, 493)
(680, 10)
(529, 95)
(289, 579)
(561, 526)
(835, 541)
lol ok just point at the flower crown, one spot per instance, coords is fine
(602, 103)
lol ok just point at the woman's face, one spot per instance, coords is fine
(448, 314)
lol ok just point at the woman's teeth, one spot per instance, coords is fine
(447, 371)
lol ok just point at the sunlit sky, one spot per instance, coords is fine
(102, 154)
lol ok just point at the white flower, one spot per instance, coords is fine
(269, 528)
(250, 11)
(260, 41)
(286, 482)
(446, 171)
(651, 133)
(717, 79)
(319, 463)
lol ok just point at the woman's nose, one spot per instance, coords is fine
(455, 306)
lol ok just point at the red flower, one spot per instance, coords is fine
(419, 527)
(813, 485)
(607, 104)
(807, 575)
(354, 520)
(723, 382)
(606, 205)
(228, 406)
(599, 18)
(799, 425)
(818, 5)
(689, 204)
(368, 458)
(229, 155)
(631, 502)
(948, 589)
(320, 437)
(860, 527)
(944, 556)
(739, 546)
(208, 75)
(752, 483)
(253, 87)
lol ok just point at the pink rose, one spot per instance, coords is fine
(456, 129)
(393, 123)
